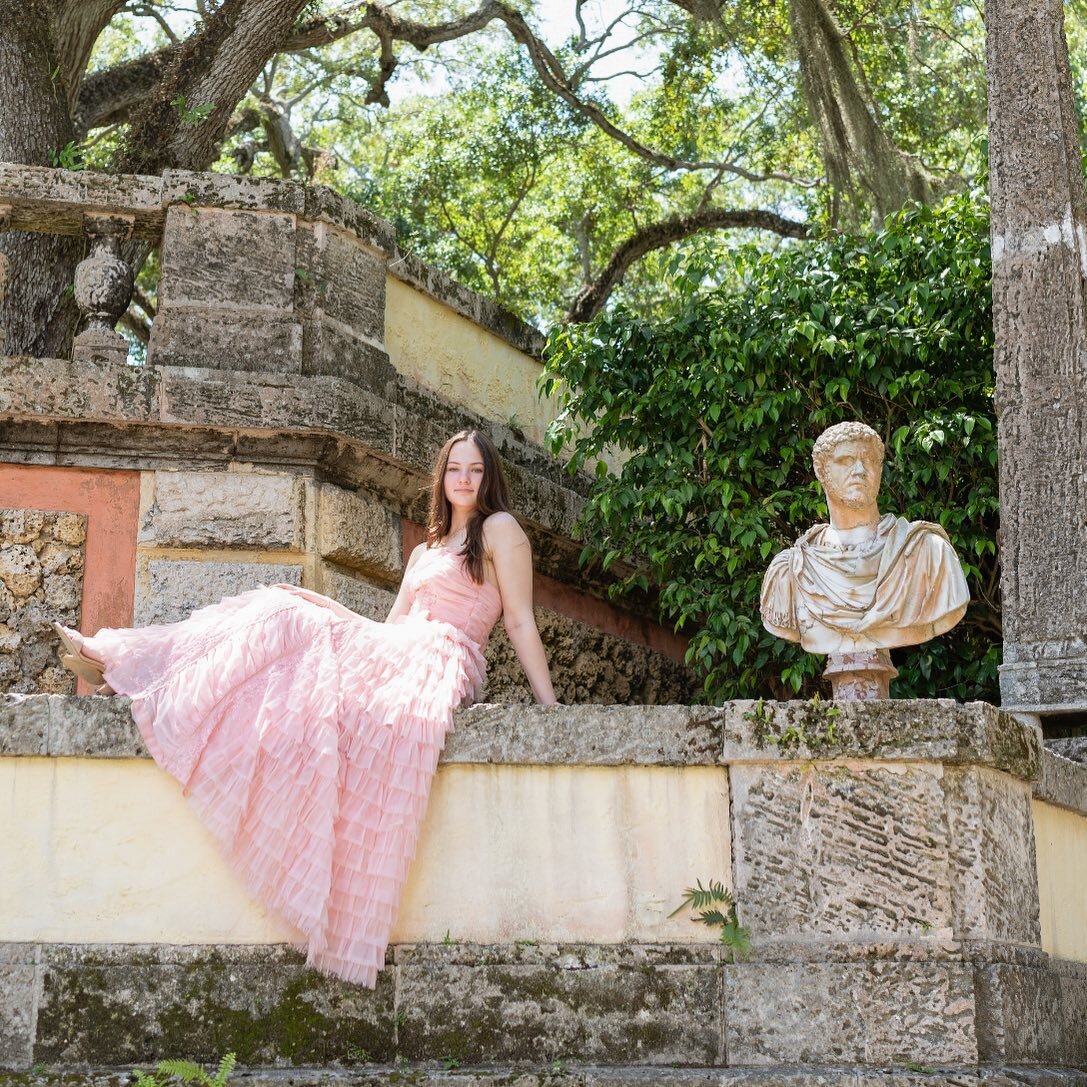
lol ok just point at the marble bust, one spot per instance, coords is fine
(862, 583)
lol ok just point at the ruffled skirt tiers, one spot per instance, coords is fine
(307, 743)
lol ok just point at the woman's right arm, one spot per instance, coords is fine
(403, 598)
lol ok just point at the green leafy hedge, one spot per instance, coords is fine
(712, 411)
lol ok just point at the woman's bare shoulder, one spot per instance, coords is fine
(502, 530)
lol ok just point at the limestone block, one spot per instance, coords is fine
(882, 1012)
(93, 728)
(933, 730)
(231, 191)
(328, 206)
(79, 391)
(359, 595)
(24, 726)
(170, 589)
(587, 665)
(262, 1004)
(226, 340)
(841, 849)
(21, 526)
(568, 1008)
(70, 529)
(1073, 985)
(343, 280)
(218, 257)
(330, 349)
(583, 735)
(992, 856)
(17, 987)
(20, 570)
(225, 509)
(358, 532)
(224, 399)
(1019, 1014)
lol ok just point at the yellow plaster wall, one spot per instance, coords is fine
(1061, 842)
(107, 851)
(451, 355)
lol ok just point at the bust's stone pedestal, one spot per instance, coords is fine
(860, 677)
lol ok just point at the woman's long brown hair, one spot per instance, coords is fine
(493, 497)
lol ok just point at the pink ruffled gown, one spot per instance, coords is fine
(307, 742)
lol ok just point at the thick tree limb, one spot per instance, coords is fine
(112, 95)
(213, 69)
(591, 298)
(75, 27)
(390, 27)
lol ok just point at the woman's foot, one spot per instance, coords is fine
(77, 660)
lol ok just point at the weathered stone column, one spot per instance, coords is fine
(1039, 245)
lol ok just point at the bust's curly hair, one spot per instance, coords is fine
(835, 435)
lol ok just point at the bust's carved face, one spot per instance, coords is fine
(851, 474)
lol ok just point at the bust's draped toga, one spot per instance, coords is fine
(901, 587)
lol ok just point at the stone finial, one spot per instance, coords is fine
(103, 289)
(864, 583)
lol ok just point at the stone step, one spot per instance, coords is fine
(573, 1075)
(470, 1004)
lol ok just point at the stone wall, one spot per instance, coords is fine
(301, 374)
(41, 582)
(883, 858)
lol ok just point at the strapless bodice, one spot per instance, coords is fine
(439, 588)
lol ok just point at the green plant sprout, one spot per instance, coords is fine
(186, 1072)
(191, 115)
(715, 906)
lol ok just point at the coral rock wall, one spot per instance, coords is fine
(41, 581)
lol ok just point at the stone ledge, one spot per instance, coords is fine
(55, 411)
(414, 1075)
(589, 735)
(1062, 782)
(930, 730)
(670, 1006)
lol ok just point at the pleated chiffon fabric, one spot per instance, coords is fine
(307, 741)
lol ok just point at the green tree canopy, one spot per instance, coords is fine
(708, 415)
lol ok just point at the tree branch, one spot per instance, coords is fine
(390, 27)
(591, 298)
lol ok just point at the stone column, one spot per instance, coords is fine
(1039, 245)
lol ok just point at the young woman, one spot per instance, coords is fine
(306, 736)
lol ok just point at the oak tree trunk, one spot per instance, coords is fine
(38, 313)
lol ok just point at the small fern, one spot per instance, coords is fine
(186, 1072)
(715, 907)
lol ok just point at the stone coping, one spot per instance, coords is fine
(560, 1075)
(814, 949)
(939, 731)
(102, 415)
(1062, 782)
(51, 201)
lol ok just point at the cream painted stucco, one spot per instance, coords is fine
(107, 851)
(453, 356)
(1061, 841)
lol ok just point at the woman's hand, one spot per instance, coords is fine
(510, 553)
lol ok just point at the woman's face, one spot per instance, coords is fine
(463, 475)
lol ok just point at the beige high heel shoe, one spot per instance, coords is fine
(80, 662)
